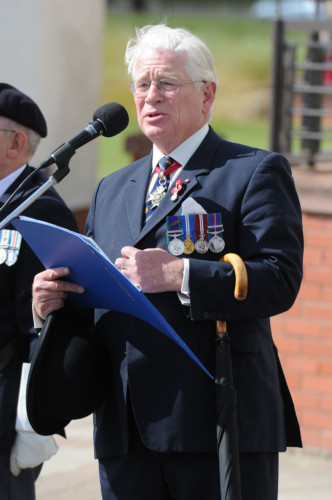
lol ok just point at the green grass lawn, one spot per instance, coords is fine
(242, 49)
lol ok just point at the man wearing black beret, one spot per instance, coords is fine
(22, 125)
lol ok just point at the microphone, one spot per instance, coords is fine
(108, 120)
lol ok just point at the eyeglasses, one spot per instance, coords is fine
(165, 86)
(7, 130)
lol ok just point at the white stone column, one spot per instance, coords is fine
(52, 51)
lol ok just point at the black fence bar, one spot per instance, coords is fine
(301, 91)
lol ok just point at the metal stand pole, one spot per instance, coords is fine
(61, 157)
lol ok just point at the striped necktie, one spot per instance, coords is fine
(164, 168)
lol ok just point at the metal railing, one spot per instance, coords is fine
(301, 107)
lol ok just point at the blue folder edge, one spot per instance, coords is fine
(105, 286)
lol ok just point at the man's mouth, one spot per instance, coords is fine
(153, 114)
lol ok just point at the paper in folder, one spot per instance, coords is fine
(105, 286)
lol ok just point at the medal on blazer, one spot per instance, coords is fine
(215, 228)
(14, 248)
(176, 189)
(201, 245)
(10, 243)
(188, 221)
(4, 244)
(174, 231)
(157, 196)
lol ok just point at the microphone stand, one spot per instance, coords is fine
(61, 158)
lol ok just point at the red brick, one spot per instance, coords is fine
(326, 331)
(302, 327)
(312, 256)
(310, 437)
(326, 367)
(295, 310)
(327, 293)
(318, 276)
(327, 404)
(328, 259)
(289, 345)
(322, 349)
(319, 239)
(303, 364)
(318, 384)
(312, 221)
(317, 420)
(293, 379)
(319, 311)
(309, 291)
(326, 441)
(306, 401)
(277, 325)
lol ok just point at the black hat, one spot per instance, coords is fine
(22, 109)
(67, 378)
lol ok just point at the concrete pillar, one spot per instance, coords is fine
(52, 50)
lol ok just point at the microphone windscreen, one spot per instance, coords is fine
(113, 116)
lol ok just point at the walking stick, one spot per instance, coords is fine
(227, 438)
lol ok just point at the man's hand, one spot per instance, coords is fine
(49, 291)
(153, 270)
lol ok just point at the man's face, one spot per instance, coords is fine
(169, 119)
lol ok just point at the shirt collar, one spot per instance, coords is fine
(7, 181)
(184, 152)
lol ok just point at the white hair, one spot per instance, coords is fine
(200, 64)
(33, 137)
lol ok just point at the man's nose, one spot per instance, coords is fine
(153, 92)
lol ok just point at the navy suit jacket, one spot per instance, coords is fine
(16, 323)
(173, 400)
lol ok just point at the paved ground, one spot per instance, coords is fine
(72, 474)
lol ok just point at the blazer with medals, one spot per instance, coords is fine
(16, 323)
(173, 400)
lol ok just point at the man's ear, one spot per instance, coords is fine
(18, 144)
(209, 96)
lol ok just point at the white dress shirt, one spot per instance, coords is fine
(7, 181)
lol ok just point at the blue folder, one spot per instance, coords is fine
(105, 286)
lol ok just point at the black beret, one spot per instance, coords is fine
(22, 109)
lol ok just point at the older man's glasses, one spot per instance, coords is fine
(165, 86)
(7, 130)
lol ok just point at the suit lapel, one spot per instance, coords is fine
(134, 196)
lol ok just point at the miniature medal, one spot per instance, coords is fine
(215, 228)
(11, 257)
(14, 248)
(189, 246)
(189, 223)
(157, 195)
(4, 244)
(3, 255)
(176, 246)
(216, 244)
(201, 245)
(176, 189)
(174, 231)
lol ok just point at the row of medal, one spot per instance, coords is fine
(194, 233)
(10, 243)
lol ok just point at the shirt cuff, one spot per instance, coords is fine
(38, 322)
(184, 295)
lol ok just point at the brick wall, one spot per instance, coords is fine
(304, 337)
